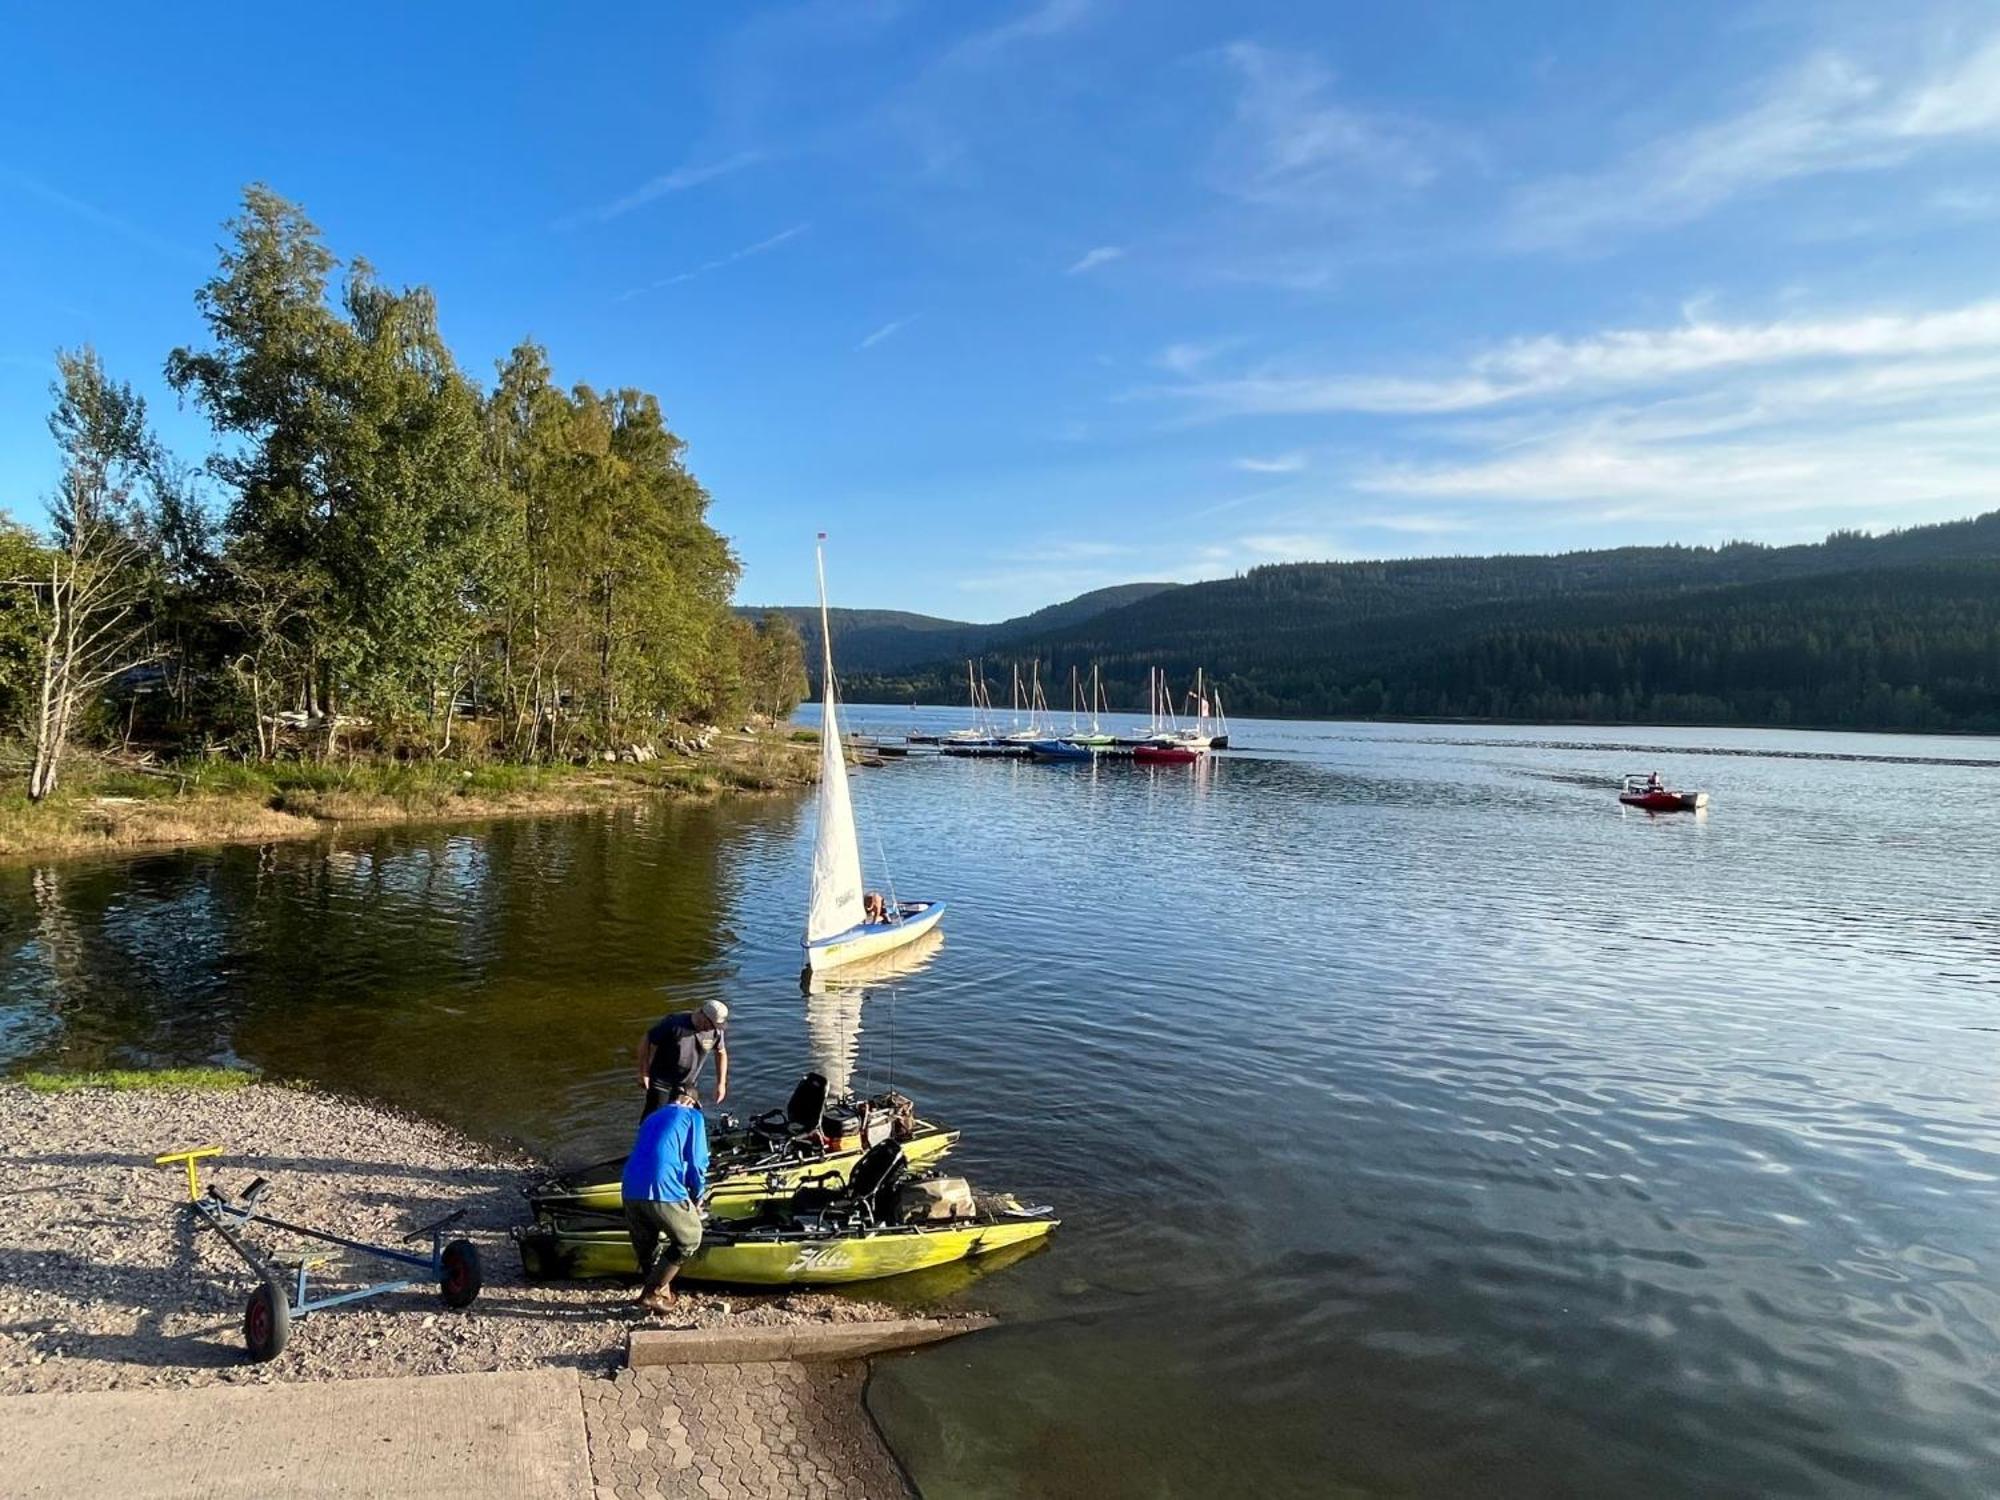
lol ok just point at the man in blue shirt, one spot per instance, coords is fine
(665, 1179)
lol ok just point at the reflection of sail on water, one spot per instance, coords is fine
(834, 1001)
(833, 1031)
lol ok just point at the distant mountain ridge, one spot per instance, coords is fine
(1900, 630)
(870, 641)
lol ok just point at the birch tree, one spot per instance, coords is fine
(89, 601)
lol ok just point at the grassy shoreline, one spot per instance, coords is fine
(107, 806)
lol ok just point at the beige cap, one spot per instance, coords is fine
(716, 1011)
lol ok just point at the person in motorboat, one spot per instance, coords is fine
(665, 1178)
(1654, 784)
(873, 911)
(671, 1055)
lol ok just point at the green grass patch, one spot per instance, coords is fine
(132, 1079)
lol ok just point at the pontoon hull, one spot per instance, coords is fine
(581, 1250)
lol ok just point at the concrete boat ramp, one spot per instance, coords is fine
(685, 1422)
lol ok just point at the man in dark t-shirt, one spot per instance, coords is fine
(671, 1055)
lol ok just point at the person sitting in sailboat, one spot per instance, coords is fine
(873, 911)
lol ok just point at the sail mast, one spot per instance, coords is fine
(836, 904)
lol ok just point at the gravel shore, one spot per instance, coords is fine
(103, 1284)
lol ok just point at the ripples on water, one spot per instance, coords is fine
(1423, 1122)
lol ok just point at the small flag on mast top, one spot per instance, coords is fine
(822, 536)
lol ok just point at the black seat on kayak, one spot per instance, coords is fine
(802, 1112)
(876, 1177)
(871, 1186)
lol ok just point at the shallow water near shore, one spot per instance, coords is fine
(1422, 1122)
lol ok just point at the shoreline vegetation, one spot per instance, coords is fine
(109, 804)
(388, 590)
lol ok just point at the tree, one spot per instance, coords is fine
(89, 601)
(778, 672)
(359, 493)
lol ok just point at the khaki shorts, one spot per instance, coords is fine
(670, 1231)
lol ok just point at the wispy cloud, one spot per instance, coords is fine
(1090, 260)
(1833, 114)
(763, 245)
(887, 330)
(1293, 141)
(680, 179)
(1549, 366)
(1186, 358)
(1051, 18)
(124, 228)
(1282, 463)
(1719, 425)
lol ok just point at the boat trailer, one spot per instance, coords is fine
(282, 1294)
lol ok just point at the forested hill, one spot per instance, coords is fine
(1894, 631)
(891, 640)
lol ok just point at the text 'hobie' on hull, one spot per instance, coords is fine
(838, 926)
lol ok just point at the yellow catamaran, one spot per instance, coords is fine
(879, 1223)
(838, 929)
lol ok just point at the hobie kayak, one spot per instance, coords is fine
(882, 1224)
(771, 1156)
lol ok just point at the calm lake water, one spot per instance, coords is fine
(1422, 1122)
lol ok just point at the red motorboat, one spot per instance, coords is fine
(1648, 794)
(1165, 755)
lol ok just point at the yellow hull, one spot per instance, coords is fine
(581, 1251)
(740, 1194)
(871, 942)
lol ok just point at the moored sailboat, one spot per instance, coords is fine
(838, 930)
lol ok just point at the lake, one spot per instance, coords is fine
(1422, 1122)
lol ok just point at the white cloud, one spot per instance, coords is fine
(1826, 472)
(1282, 463)
(763, 245)
(1291, 141)
(681, 178)
(1831, 115)
(1812, 419)
(1290, 546)
(1185, 359)
(887, 330)
(1090, 260)
(1052, 18)
(1631, 357)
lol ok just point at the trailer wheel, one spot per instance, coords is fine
(267, 1322)
(459, 1281)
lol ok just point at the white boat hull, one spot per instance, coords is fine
(871, 941)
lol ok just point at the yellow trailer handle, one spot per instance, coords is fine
(191, 1157)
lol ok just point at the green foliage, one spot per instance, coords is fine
(608, 592)
(396, 550)
(21, 558)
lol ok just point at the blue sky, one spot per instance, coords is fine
(1017, 301)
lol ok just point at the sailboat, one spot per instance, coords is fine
(837, 927)
(1095, 737)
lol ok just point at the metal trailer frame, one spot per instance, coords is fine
(282, 1295)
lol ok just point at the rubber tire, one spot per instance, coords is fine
(459, 1280)
(267, 1322)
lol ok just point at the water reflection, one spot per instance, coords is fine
(835, 997)
(1421, 1121)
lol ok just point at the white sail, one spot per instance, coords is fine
(836, 873)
